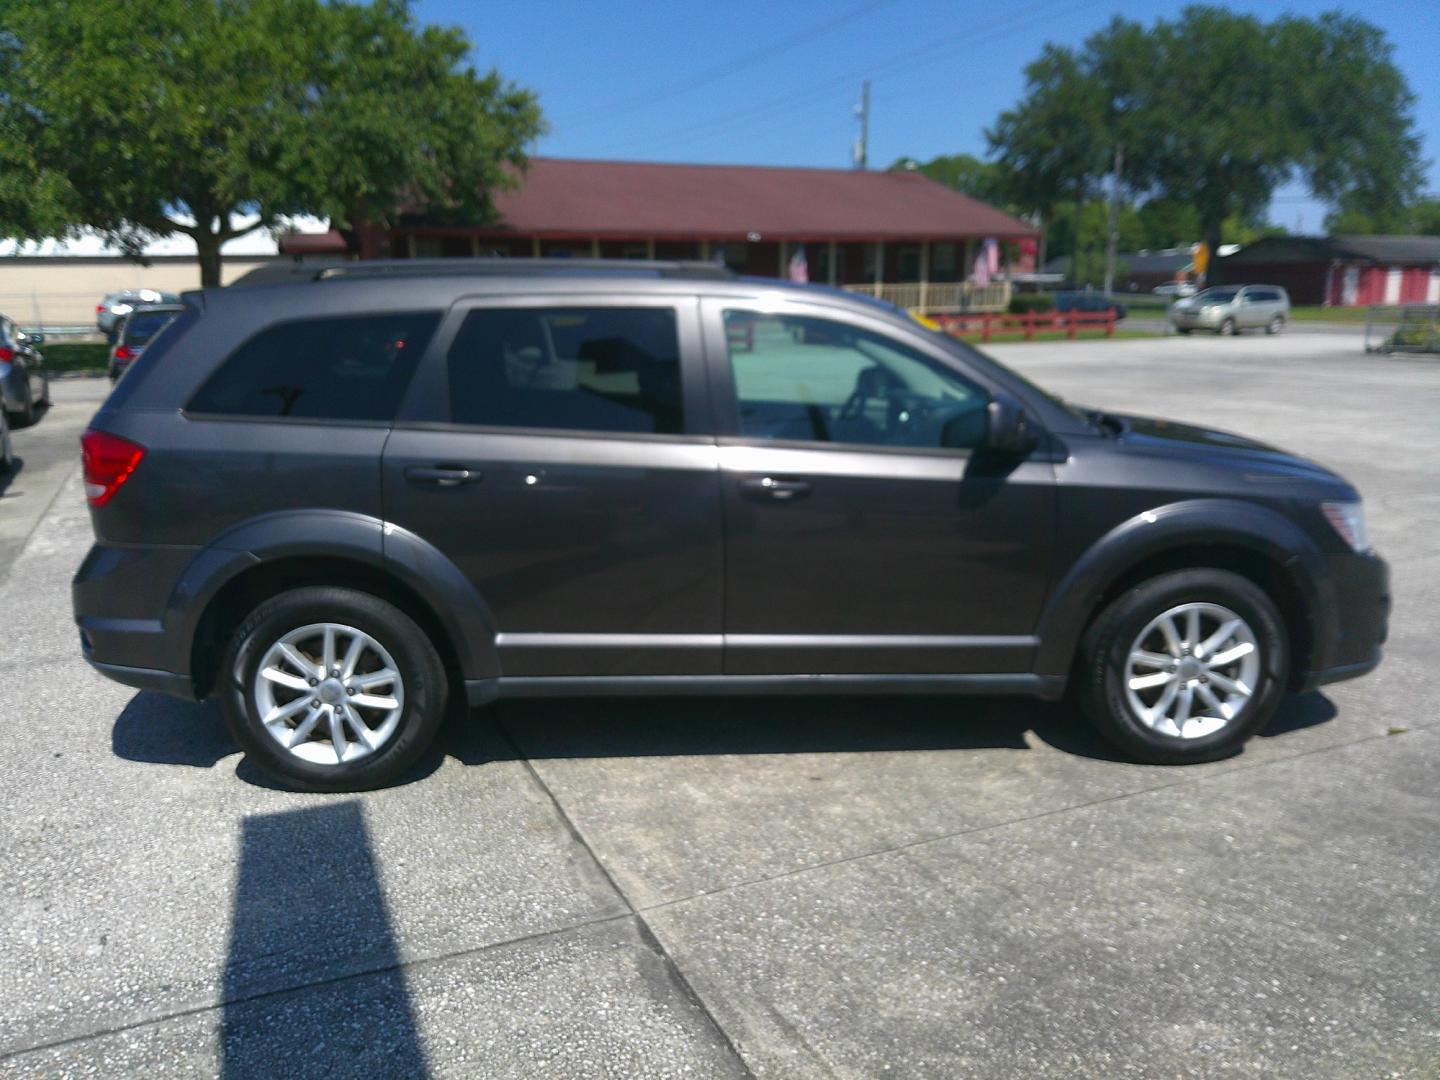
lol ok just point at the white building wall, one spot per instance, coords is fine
(64, 291)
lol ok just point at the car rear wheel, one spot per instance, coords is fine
(7, 450)
(331, 689)
(1275, 325)
(1182, 329)
(1227, 328)
(1184, 667)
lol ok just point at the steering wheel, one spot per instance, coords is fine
(872, 382)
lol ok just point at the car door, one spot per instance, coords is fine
(855, 542)
(557, 451)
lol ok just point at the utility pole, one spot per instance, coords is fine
(1114, 236)
(862, 145)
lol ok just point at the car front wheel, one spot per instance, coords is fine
(1227, 328)
(331, 689)
(1184, 667)
(1275, 325)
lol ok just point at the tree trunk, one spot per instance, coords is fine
(207, 248)
(1112, 234)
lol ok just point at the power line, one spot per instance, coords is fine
(729, 67)
(904, 61)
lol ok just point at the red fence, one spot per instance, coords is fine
(1072, 322)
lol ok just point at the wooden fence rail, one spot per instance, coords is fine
(988, 322)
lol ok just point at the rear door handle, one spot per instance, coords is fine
(442, 476)
(771, 487)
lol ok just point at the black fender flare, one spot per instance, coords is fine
(1206, 522)
(336, 534)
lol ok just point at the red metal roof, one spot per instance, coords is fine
(567, 197)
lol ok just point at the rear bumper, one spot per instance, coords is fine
(120, 596)
(1352, 620)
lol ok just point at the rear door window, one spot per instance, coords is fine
(355, 367)
(139, 329)
(601, 369)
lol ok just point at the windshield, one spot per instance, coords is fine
(1216, 296)
(959, 348)
(145, 325)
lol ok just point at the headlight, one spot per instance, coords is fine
(1348, 519)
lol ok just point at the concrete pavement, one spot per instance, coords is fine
(847, 887)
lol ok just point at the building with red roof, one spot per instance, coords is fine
(895, 234)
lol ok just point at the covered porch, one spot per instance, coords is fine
(928, 275)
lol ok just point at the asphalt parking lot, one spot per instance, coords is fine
(842, 887)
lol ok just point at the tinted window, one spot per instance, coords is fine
(821, 381)
(141, 327)
(351, 368)
(587, 369)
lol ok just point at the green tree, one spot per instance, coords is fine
(1053, 147)
(987, 181)
(1353, 215)
(1220, 108)
(147, 119)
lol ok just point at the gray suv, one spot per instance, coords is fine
(336, 502)
(1228, 309)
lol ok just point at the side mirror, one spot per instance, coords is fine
(35, 338)
(1007, 429)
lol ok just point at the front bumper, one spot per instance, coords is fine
(1352, 620)
(1193, 319)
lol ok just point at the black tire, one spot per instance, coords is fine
(25, 416)
(7, 450)
(1275, 325)
(1227, 328)
(1182, 329)
(1100, 670)
(45, 391)
(423, 676)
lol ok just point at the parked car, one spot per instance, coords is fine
(1176, 288)
(1088, 301)
(1228, 309)
(24, 383)
(335, 502)
(117, 305)
(135, 331)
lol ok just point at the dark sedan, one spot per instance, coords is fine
(24, 386)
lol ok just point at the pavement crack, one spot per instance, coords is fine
(647, 932)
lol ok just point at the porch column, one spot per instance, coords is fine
(879, 266)
(834, 274)
(534, 247)
(924, 275)
(783, 270)
(594, 247)
(650, 247)
(704, 250)
(474, 246)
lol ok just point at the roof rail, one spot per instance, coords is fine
(508, 267)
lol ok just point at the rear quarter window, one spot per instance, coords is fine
(354, 367)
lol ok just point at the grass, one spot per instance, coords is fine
(1314, 313)
(82, 358)
(998, 337)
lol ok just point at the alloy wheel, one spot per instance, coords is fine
(1192, 670)
(329, 693)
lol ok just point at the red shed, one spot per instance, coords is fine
(1343, 271)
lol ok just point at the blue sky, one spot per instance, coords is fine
(775, 83)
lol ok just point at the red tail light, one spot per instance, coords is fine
(99, 308)
(6, 354)
(108, 462)
(123, 352)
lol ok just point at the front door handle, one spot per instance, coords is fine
(772, 487)
(442, 476)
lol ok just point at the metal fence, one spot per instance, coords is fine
(1409, 328)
